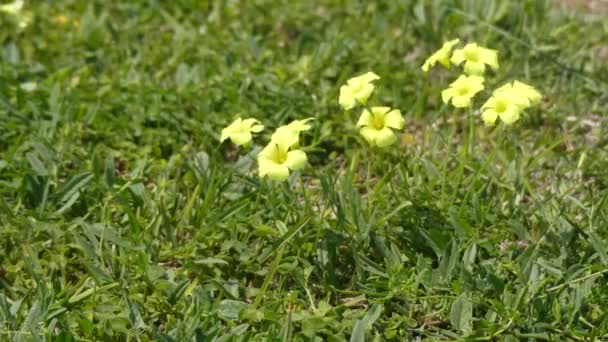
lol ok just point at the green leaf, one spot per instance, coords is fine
(448, 262)
(461, 313)
(372, 315)
(229, 309)
(599, 246)
(358, 333)
(36, 164)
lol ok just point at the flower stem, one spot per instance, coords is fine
(471, 132)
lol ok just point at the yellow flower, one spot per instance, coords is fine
(462, 90)
(508, 101)
(60, 19)
(292, 130)
(376, 126)
(529, 93)
(240, 130)
(13, 8)
(505, 105)
(276, 160)
(475, 58)
(442, 56)
(357, 90)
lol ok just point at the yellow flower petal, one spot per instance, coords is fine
(369, 134)
(290, 133)
(230, 129)
(442, 56)
(364, 93)
(528, 91)
(276, 172)
(13, 8)
(489, 103)
(380, 110)
(510, 115)
(503, 104)
(427, 64)
(365, 119)
(457, 57)
(249, 122)
(239, 131)
(489, 57)
(380, 138)
(385, 137)
(489, 116)
(268, 152)
(346, 98)
(394, 119)
(475, 58)
(300, 125)
(462, 91)
(357, 90)
(474, 68)
(285, 136)
(296, 159)
(461, 101)
(447, 94)
(240, 138)
(368, 77)
(257, 128)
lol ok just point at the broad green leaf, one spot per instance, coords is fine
(358, 333)
(229, 309)
(461, 313)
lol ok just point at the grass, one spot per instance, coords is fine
(123, 218)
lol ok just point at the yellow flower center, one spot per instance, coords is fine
(378, 121)
(500, 106)
(471, 55)
(280, 156)
(463, 90)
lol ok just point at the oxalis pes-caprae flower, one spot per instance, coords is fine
(442, 56)
(529, 93)
(239, 131)
(461, 91)
(279, 157)
(357, 90)
(376, 124)
(475, 58)
(506, 102)
(291, 132)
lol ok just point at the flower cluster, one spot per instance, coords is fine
(281, 155)
(376, 124)
(506, 103)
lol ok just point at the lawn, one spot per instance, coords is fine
(123, 217)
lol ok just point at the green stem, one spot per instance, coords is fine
(269, 277)
(471, 132)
